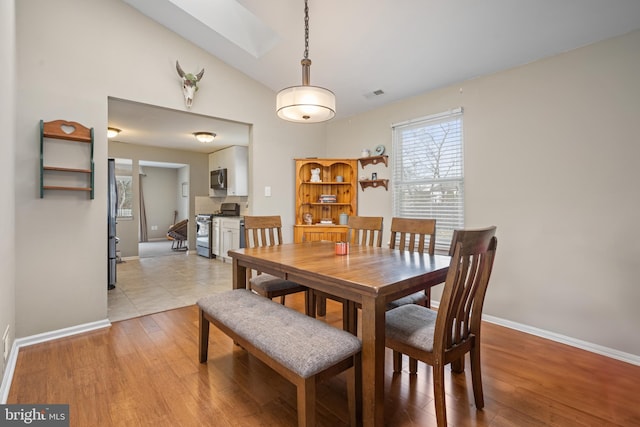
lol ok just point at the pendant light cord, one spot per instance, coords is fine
(306, 30)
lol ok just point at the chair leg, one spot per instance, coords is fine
(476, 376)
(354, 391)
(309, 303)
(321, 303)
(397, 361)
(413, 365)
(457, 366)
(438, 392)
(350, 317)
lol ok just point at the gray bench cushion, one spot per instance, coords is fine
(301, 343)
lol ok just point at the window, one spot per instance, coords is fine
(428, 180)
(124, 183)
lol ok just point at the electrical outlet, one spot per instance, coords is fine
(154, 227)
(5, 344)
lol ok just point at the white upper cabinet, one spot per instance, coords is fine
(235, 160)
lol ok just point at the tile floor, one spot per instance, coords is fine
(164, 281)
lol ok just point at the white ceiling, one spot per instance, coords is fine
(145, 124)
(401, 47)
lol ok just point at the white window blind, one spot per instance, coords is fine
(428, 179)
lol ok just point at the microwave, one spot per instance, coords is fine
(219, 179)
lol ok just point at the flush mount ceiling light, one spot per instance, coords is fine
(112, 132)
(306, 103)
(204, 137)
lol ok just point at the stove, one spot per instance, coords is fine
(209, 230)
(228, 209)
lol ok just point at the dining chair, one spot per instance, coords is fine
(364, 230)
(445, 336)
(260, 231)
(361, 230)
(412, 235)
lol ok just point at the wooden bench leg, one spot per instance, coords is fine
(306, 390)
(203, 339)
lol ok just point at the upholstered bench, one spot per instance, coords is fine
(302, 349)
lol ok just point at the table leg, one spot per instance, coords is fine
(239, 275)
(373, 337)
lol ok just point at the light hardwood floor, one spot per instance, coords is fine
(145, 372)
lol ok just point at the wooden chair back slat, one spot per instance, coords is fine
(460, 310)
(262, 231)
(365, 230)
(410, 234)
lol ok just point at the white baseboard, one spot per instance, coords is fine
(573, 342)
(36, 339)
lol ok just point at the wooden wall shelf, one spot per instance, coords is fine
(373, 160)
(68, 131)
(375, 183)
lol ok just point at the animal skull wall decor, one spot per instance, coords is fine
(189, 84)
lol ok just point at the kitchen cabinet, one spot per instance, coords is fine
(324, 198)
(235, 160)
(229, 236)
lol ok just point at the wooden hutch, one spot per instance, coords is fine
(326, 199)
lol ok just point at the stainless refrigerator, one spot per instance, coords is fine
(112, 203)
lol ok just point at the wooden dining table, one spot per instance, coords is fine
(368, 275)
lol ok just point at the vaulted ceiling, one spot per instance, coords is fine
(399, 47)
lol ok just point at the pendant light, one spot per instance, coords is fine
(306, 103)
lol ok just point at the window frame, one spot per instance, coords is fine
(120, 178)
(449, 209)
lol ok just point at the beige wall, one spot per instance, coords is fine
(551, 152)
(73, 55)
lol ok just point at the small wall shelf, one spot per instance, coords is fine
(373, 160)
(69, 131)
(374, 183)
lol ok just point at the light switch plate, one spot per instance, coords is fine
(267, 191)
